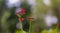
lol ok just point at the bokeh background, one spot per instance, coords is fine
(45, 15)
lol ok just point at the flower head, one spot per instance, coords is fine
(21, 11)
(21, 19)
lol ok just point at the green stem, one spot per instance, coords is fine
(21, 27)
(21, 24)
(30, 26)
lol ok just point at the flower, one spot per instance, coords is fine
(21, 19)
(21, 11)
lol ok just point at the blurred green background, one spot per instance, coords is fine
(8, 19)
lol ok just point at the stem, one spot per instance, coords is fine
(21, 26)
(30, 26)
(18, 15)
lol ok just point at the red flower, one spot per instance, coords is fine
(21, 19)
(21, 11)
